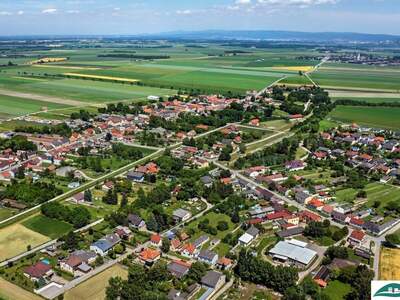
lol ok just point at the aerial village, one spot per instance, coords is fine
(202, 187)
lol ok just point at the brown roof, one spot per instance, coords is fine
(38, 270)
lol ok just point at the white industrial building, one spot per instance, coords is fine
(294, 252)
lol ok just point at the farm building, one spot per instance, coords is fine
(294, 252)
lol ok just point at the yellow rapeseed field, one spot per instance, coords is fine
(389, 264)
(296, 68)
(101, 77)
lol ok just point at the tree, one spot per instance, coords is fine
(115, 285)
(124, 200)
(166, 245)
(197, 271)
(392, 240)
(87, 195)
(222, 226)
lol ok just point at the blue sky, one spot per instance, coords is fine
(21, 17)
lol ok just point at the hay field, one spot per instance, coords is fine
(389, 264)
(14, 240)
(9, 291)
(95, 287)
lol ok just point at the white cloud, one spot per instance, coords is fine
(184, 12)
(241, 2)
(297, 2)
(5, 13)
(49, 11)
(73, 12)
(117, 8)
(20, 12)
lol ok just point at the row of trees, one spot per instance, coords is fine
(60, 129)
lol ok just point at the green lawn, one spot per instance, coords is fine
(6, 213)
(337, 290)
(214, 219)
(377, 117)
(49, 227)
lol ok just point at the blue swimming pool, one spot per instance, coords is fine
(46, 261)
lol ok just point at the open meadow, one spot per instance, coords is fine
(15, 239)
(95, 287)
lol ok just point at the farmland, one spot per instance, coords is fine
(376, 117)
(15, 239)
(95, 287)
(13, 106)
(9, 291)
(389, 264)
(46, 226)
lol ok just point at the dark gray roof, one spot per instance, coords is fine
(134, 219)
(211, 279)
(253, 231)
(177, 269)
(207, 255)
(290, 232)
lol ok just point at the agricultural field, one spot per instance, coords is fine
(11, 107)
(389, 264)
(358, 79)
(95, 287)
(9, 291)
(376, 117)
(211, 68)
(46, 226)
(375, 192)
(15, 239)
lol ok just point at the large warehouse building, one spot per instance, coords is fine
(294, 252)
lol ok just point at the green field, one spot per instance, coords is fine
(12, 106)
(376, 117)
(356, 78)
(46, 226)
(375, 192)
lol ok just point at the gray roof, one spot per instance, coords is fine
(207, 255)
(201, 240)
(206, 179)
(211, 278)
(290, 232)
(293, 252)
(135, 219)
(180, 213)
(177, 269)
(253, 231)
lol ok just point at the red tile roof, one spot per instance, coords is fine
(357, 235)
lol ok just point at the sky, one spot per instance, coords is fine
(125, 17)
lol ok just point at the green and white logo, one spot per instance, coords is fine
(383, 289)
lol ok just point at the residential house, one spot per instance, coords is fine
(105, 244)
(78, 263)
(38, 271)
(135, 176)
(212, 279)
(356, 238)
(135, 221)
(181, 215)
(208, 256)
(179, 268)
(149, 256)
(155, 239)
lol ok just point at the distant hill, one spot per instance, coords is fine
(280, 36)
